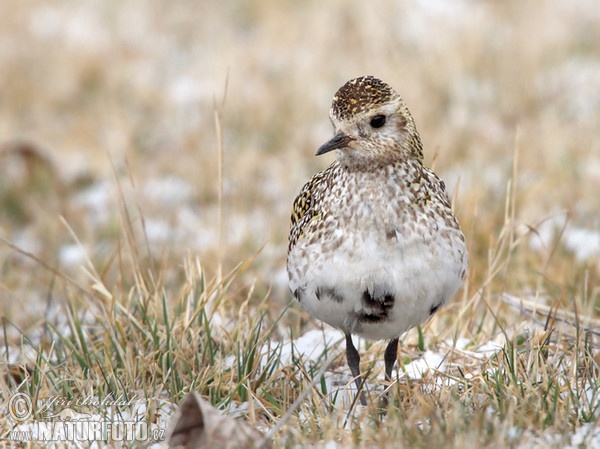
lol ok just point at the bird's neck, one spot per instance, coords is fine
(375, 165)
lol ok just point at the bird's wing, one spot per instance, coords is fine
(304, 209)
(438, 187)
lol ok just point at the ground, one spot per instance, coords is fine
(151, 152)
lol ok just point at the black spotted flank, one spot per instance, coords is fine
(385, 301)
(328, 293)
(388, 300)
(367, 299)
(367, 318)
(434, 309)
(375, 309)
(298, 294)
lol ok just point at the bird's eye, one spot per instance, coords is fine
(378, 121)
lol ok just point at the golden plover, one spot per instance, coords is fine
(374, 247)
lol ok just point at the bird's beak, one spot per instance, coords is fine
(340, 140)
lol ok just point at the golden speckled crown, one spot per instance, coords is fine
(358, 95)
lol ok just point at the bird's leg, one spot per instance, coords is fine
(390, 356)
(353, 359)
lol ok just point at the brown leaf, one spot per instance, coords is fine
(198, 425)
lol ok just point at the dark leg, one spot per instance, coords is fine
(353, 359)
(390, 356)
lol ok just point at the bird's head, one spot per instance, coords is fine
(372, 124)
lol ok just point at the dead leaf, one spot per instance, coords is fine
(198, 425)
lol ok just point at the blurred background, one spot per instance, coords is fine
(119, 117)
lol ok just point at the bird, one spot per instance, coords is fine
(374, 247)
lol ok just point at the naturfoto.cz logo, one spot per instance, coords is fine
(70, 425)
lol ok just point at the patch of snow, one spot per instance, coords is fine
(45, 21)
(584, 243)
(446, 18)
(25, 241)
(417, 369)
(168, 191)
(585, 436)
(77, 165)
(572, 87)
(158, 231)
(187, 90)
(236, 410)
(459, 344)
(72, 255)
(331, 445)
(279, 279)
(18, 355)
(98, 201)
(76, 27)
(492, 177)
(311, 346)
(489, 348)
(315, 346)
(229, 362)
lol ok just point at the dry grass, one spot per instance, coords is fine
(131, 266)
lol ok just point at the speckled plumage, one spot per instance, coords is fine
(374, 247)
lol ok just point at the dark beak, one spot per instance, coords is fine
(340, 140)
